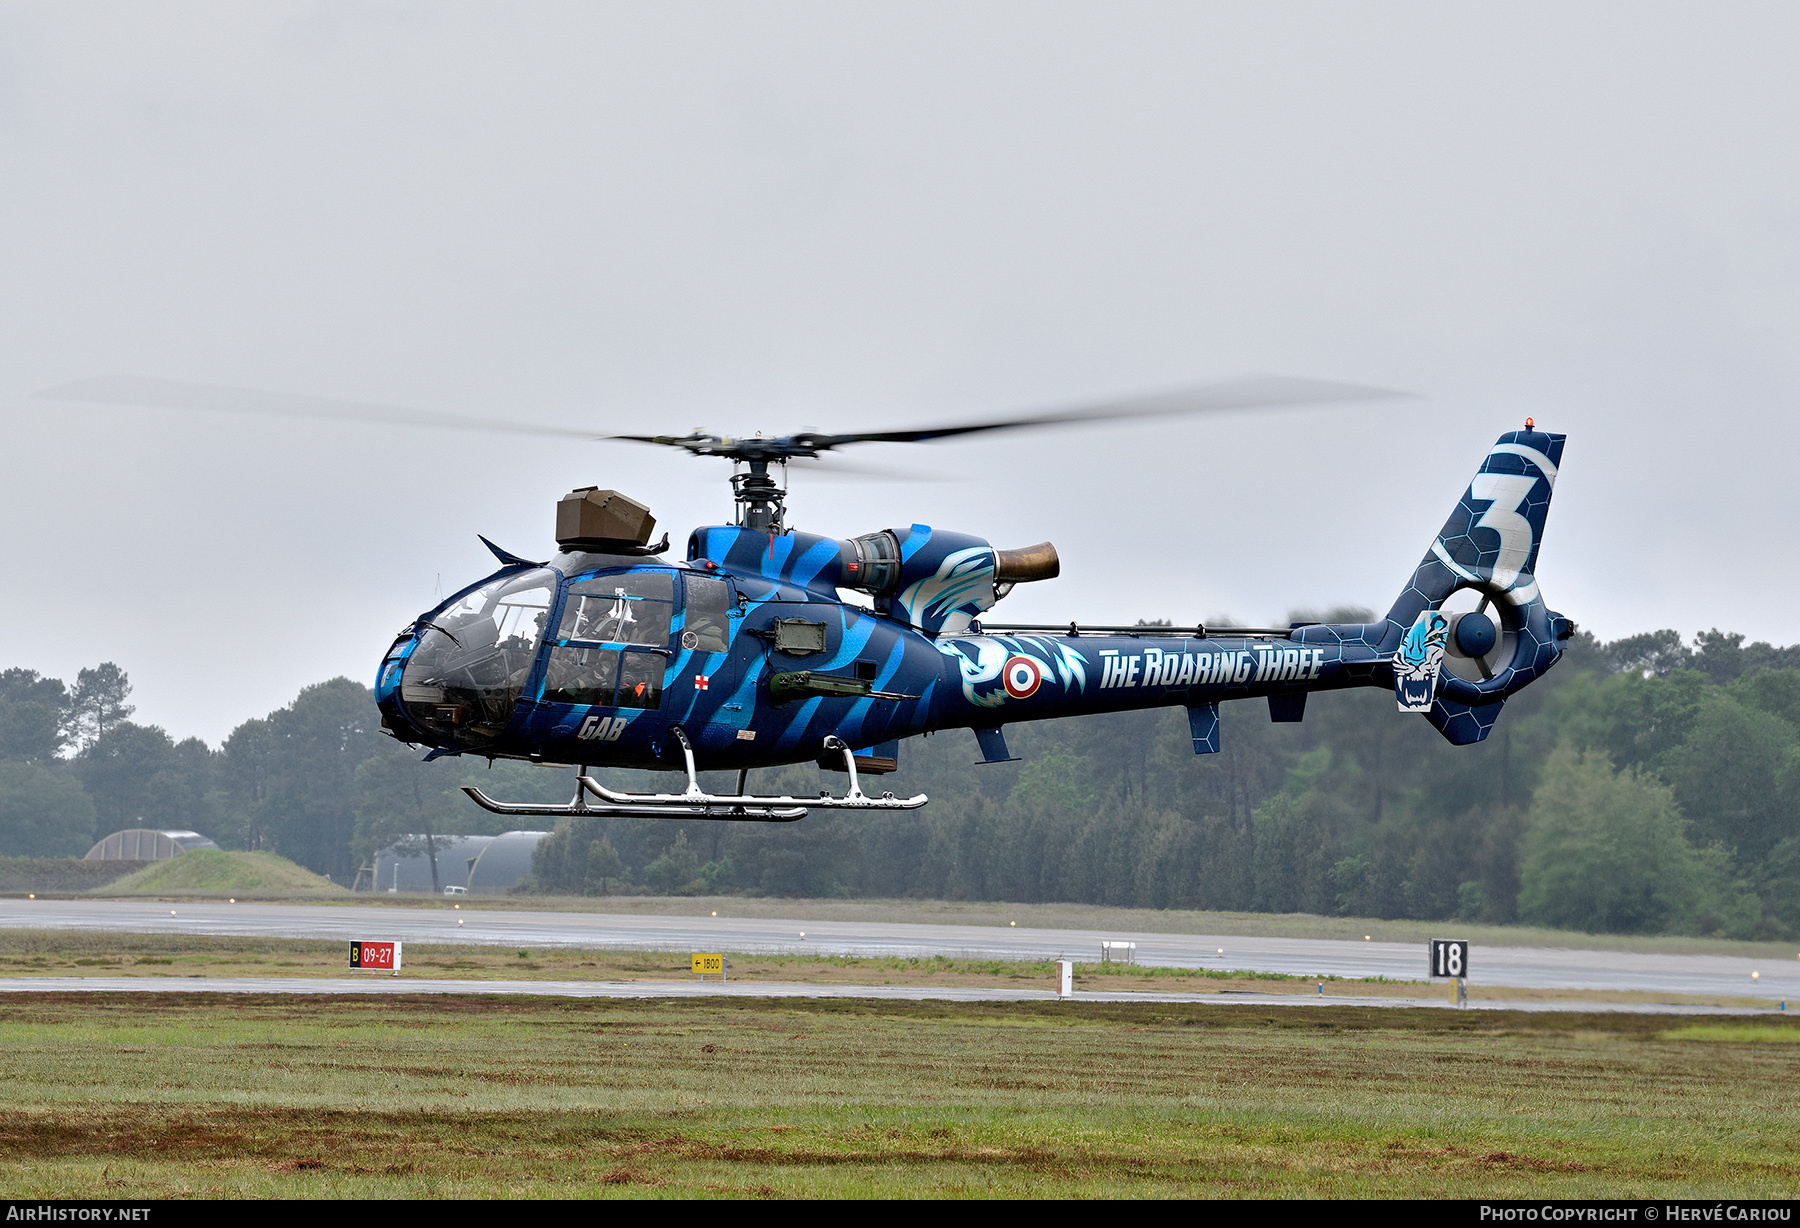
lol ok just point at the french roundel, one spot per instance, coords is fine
(1022, 676)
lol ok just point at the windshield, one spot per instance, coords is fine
(469, 669)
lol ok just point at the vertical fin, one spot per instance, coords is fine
(1203, 723)
(1288, 708)
(993, 745)
(1492, 536)
(1490, 545)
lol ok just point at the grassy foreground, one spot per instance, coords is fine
(269, 1096)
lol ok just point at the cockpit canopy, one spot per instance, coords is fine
(616, 626)
(475, 655)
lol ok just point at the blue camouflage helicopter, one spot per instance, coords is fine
(747, 653)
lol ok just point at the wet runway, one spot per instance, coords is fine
(377, 985)
(1518, 967)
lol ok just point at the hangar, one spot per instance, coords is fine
(147, 844)
(482, 865)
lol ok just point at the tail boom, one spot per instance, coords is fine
(1489, 544)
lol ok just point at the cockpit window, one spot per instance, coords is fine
(633, 607)
(509, 613)
(469, 669)
(600, 613)
(578, 675)
(708, 605)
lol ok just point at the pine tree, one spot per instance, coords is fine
(98, 703)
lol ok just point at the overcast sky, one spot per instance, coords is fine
(743, 216)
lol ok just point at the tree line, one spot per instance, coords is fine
(1646, 785)
(317, 781)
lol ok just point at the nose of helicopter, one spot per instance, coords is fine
(457, 675)
(454, 693)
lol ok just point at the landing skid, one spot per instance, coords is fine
(696, 803)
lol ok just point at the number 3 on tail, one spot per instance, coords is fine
(1504, 493)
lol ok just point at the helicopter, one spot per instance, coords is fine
(750, 652)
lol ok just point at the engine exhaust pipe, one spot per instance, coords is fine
(1037, 562)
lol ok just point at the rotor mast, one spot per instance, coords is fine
(760, 499)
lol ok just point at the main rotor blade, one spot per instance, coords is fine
(1260, 392)
(833, 468)
(179, 394)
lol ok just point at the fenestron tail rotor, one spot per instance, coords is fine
(1479, 642)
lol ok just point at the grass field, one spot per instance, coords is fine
(268, 1096)
(244, 1096)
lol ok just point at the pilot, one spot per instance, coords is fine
(581, 676)
(518, 643)
(640, 681)
(595, 621)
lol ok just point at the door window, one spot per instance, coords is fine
(633, 607)
(708, 608)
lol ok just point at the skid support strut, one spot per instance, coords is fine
(695, 803)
